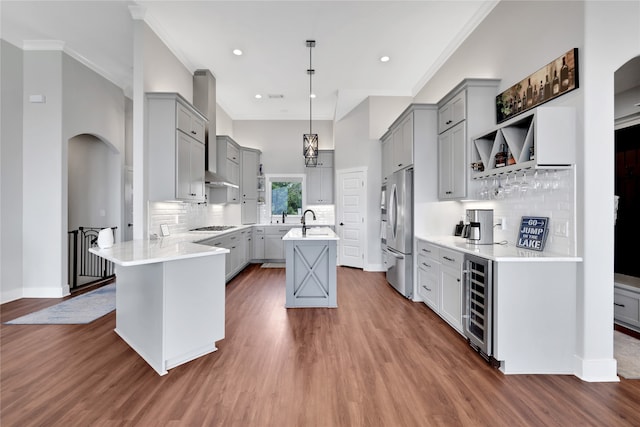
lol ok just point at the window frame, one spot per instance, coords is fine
(285, 177)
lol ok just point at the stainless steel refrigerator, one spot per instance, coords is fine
(400, 231)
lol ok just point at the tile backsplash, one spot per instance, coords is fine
(554, 198)
(180, 217)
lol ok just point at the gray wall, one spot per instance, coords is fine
(10, 172)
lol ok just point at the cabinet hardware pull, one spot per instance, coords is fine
(448, 122)
(619, 305)
(426, 265)
(426, 250)
(426, 288)
(194, 132)
(448, 259)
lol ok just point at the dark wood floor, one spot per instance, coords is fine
(377, 360)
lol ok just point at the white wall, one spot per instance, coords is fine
(384, 110)
(11, 194)
(44, 228)
(94, 173)
(155, 69)
(611, 38)
(355, 149)
(224, 124)
(281, 141)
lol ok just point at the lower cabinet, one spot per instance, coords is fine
(428, 281)
(238, 257)
(273, 244)
(439, 281)
(626, 301)
(258, 243)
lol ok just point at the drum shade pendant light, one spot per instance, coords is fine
(310, 140)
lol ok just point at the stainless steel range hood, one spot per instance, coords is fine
(214, 180)
(204, 99)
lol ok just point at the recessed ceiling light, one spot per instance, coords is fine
(237, 52)
(258, 96)
(313, 95)
(384, 59)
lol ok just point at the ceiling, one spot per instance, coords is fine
(351, 36)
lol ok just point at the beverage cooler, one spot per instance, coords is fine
(478, 303)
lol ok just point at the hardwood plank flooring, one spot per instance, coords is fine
(376, 360)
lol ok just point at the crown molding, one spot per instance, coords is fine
(42, 45)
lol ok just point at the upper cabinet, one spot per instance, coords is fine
(542, 138)
(320, 180)
(466, 110)
(228, 159)
(249, 183)
(452, 112)
(176, 148)
(399, 141)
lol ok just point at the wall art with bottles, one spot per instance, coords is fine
(554, 79)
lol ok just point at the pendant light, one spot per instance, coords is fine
(310, 140)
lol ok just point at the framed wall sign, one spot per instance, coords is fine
(554, 79)
(533, 232)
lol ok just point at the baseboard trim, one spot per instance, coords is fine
(45, 292)
(596, 370)
(12, 295)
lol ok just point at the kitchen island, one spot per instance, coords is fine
(170, 298)
(311, 267)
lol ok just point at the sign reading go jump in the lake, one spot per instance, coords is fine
(533, 232)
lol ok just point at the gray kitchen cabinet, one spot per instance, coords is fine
(176, 148)
(412, 128)
(451, 287)
(402, 143)
(451, 174)
(452, 112)
(228, 167)
(273, 243)
(466, 110)
(626, 301)
(428, 274)
(387, 156)
(258, 243)
(320, 180)
(249, 185)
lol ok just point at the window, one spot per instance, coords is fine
(285, 194)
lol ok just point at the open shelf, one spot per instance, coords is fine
(542, 139)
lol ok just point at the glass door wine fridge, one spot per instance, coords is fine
(478, 297)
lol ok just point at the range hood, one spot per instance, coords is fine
(204, 99)
(214, 180)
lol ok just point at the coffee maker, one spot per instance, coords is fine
(480, 228)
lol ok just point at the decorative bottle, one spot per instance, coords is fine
(564, 76)
(555, 83)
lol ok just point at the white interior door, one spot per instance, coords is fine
(351, 217)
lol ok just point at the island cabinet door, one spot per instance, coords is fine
(311, 273)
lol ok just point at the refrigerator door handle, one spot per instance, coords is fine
(393, 211)
(395, 253)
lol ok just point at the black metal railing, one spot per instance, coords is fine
(86, 268)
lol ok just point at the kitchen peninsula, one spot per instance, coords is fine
(170, 298)
(311, 267)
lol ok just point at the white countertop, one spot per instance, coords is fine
(313, 233)
(138, 252)
(499, 252)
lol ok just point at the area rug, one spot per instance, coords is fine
(273, 265)
(626, 350)
(82, 309)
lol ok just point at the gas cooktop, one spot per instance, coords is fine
(214, 228)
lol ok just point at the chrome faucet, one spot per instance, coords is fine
(304, 223)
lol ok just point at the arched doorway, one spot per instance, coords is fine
(92, 204)
(627, 191)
